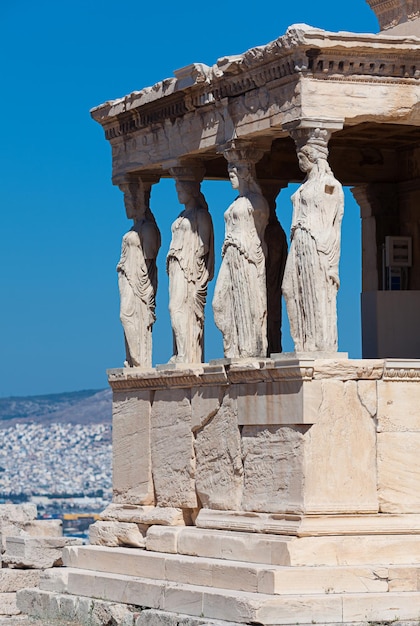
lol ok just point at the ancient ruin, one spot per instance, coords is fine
(265, 487)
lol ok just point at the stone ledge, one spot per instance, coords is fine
(135, 594)
(166, 376)
(288, 367)
(309, 525)
(252, 547)
(233, 575)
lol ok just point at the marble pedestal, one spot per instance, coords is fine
(288, 437)
(277, 491)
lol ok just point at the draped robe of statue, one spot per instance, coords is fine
(190, 266)
(311, 280)
(240, 296)
(137, 282)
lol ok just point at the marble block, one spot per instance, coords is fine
(399, 472)
(340, 456)
(173, 459)
(32, 553)
(219, 459)
(132, 475)
(398, 407)
(273, 468)
(116, 534)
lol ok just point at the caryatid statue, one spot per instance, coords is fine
(137, 274)
(311, 279)
(240, 295)
(190, 265)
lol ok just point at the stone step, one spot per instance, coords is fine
(239, 576)
(285, 550)
(240, 606)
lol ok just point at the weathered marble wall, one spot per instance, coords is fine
(286, 438)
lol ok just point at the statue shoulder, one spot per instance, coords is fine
(329, 180)
(259, 203)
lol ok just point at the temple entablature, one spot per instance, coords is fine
(364, 79)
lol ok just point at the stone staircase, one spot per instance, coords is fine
(241, 578)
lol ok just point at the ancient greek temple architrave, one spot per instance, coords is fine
(362, 89)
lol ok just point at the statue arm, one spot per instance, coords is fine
(261, 213)
(205, 249)
(330, 237)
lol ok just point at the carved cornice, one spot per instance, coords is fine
(166, 376)
(228, 372)
(303, 51)
(281, 368)
(390, 13)
(402, 370)
(301, 369)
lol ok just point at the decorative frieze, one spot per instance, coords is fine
(289, 369)
(402, 370)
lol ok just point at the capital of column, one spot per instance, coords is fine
(238, 151)
(313, 131)
(137, 189)
(187, 170)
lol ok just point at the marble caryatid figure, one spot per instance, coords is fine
(190, 266)
(137, 274)
(311, 279)
(240, 296)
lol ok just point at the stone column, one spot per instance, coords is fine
(276, 242)
(390, 317)
(311, 279)
(190, 265)
(137, 273)
(240, 296)
(370, 259)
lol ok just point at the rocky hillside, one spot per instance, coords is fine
(78, 407)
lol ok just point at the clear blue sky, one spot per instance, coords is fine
(62, 220)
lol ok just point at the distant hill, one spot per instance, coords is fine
(78, 407)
